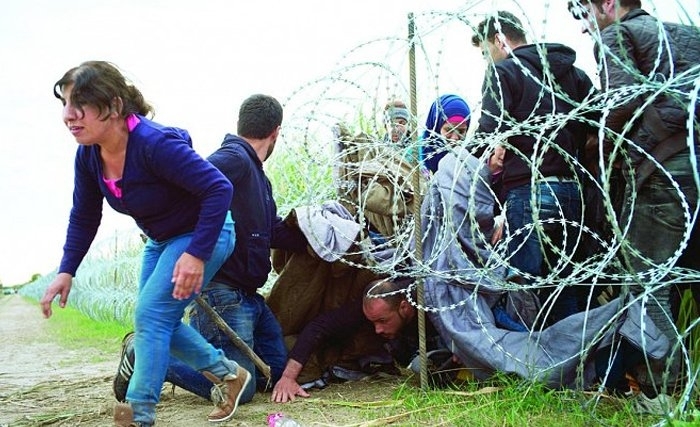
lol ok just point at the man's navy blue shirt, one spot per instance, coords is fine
(257, 226)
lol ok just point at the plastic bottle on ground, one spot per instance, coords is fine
(280, 420)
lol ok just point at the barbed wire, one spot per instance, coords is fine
(336, 149)
(351, 100)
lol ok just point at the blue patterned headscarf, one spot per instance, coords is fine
(446, 107)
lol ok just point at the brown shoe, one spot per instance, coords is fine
(123, 415)
(230, 389)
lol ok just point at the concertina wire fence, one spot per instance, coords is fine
(334, 149)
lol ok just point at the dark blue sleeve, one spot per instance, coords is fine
(287, 237)
(178, 163)
(331, 325)
(86, 213)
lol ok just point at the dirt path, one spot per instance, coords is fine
(43, 384)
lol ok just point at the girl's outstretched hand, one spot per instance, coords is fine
(60, 286)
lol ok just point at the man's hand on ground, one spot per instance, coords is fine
(286, 390)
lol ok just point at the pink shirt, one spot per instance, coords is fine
(131, 123)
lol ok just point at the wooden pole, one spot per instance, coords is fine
(233, 336)
(417, 202)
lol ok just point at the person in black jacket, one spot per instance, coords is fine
(648, 69)
(530, 97)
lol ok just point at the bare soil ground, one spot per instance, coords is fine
(44, 384)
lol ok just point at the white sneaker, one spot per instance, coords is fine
(662, 404)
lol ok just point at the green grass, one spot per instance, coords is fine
(74, 330)
(502, 402)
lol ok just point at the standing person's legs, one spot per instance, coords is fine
(269, 344)
(182, 375)
(613, 203)
(657, 217)
(253, 321)
(155, 316)
(535, 229)
(265, 340)
(158, 326)
(524, 253)
(559, 207)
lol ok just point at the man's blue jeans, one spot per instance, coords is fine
(251, 318)
(159, 330)
(543, 248)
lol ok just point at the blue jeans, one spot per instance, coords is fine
(528, 250)
(158, 326)
(182, 375)
(253, 321)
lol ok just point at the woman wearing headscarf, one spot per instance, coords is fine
(447, 121)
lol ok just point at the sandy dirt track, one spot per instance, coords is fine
(43, 384)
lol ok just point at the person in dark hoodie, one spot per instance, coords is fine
(528, 96)
(233, 290)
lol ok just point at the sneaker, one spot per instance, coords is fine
(662, 404)
(226, 393)
(126, 368)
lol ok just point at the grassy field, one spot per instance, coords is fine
(395, 401)
(75, 330)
